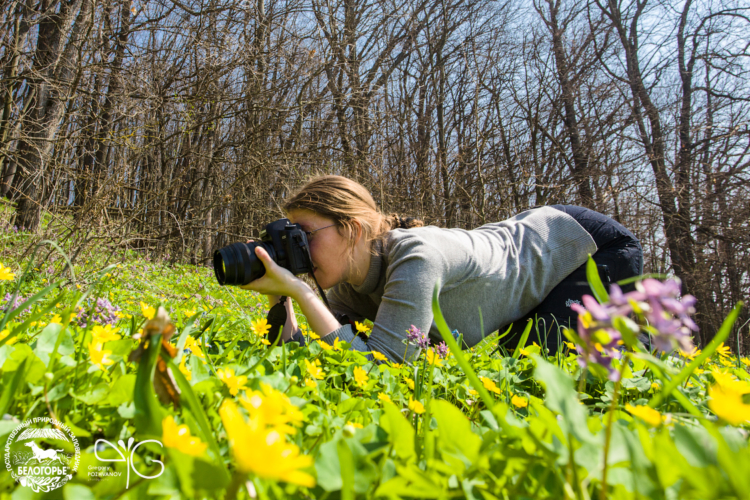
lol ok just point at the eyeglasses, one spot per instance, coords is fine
(310, 233)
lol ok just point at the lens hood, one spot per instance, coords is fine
(237, 264)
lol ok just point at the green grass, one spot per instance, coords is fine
(531, 434)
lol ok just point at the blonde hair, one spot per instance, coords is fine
(344, 201)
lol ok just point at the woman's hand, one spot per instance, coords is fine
(277, 280)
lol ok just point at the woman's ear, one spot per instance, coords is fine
(358, 230)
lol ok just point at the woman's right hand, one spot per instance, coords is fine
(277, 280)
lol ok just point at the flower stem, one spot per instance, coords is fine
(608, 433)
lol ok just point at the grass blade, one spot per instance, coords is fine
(445, 332)
(592, 275)
(524, 338)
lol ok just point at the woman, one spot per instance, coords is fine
(374, 268)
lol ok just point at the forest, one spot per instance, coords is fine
(175, 127)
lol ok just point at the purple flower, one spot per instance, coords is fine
(442, 350)
(415, 336)
(104, 313)
(667, 314)
(598, 339)
(12, 307)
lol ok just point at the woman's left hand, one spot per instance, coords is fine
(276, 281)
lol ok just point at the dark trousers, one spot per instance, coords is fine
(619, 256)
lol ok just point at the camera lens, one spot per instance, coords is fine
(237, 263)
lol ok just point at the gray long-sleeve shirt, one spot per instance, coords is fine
(505, 268)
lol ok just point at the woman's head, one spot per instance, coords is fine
(349, 206)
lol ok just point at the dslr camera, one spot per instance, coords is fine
(286, 244)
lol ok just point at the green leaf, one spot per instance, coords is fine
(560, 396)
(73, 491)
(12, 389)
(346, 463)
(327, 467)
(35, 367)
(122, 390)
(148, 412)
(400, 431)
(592, 275)
(456, 436)
(94, 395)
(53, 336)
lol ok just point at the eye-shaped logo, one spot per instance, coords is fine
(128, 456)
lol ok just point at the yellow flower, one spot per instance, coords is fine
(519, 402)
(472, 392)
(655, 386)
(104, 333)
(276, 409)
(184, 369)
(310, 383)
(337, 345)
(265, 342)
(723, 350)
(360, 376)
(433, 358)
(234, 382)
(314, 369)
(379, 356)
(384, 397)
(722, 377)
(56, 320)
(4, 334)
(645, 413)
(569, 345)
(178, 437)
(263, 451)
(746, 361)
(194, 346)
(260, 327)
(313, 335)
(727, 401)
(361, 327)
(397, 365)
(189, 313)
(490, 385)
(5, 274)
(326, 347)
(725, 361)
(416, 406)
(99, 357)
(147, 311)
(690, 355)
(409, 382)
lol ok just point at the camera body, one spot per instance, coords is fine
(285, 243)
(289, 243)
